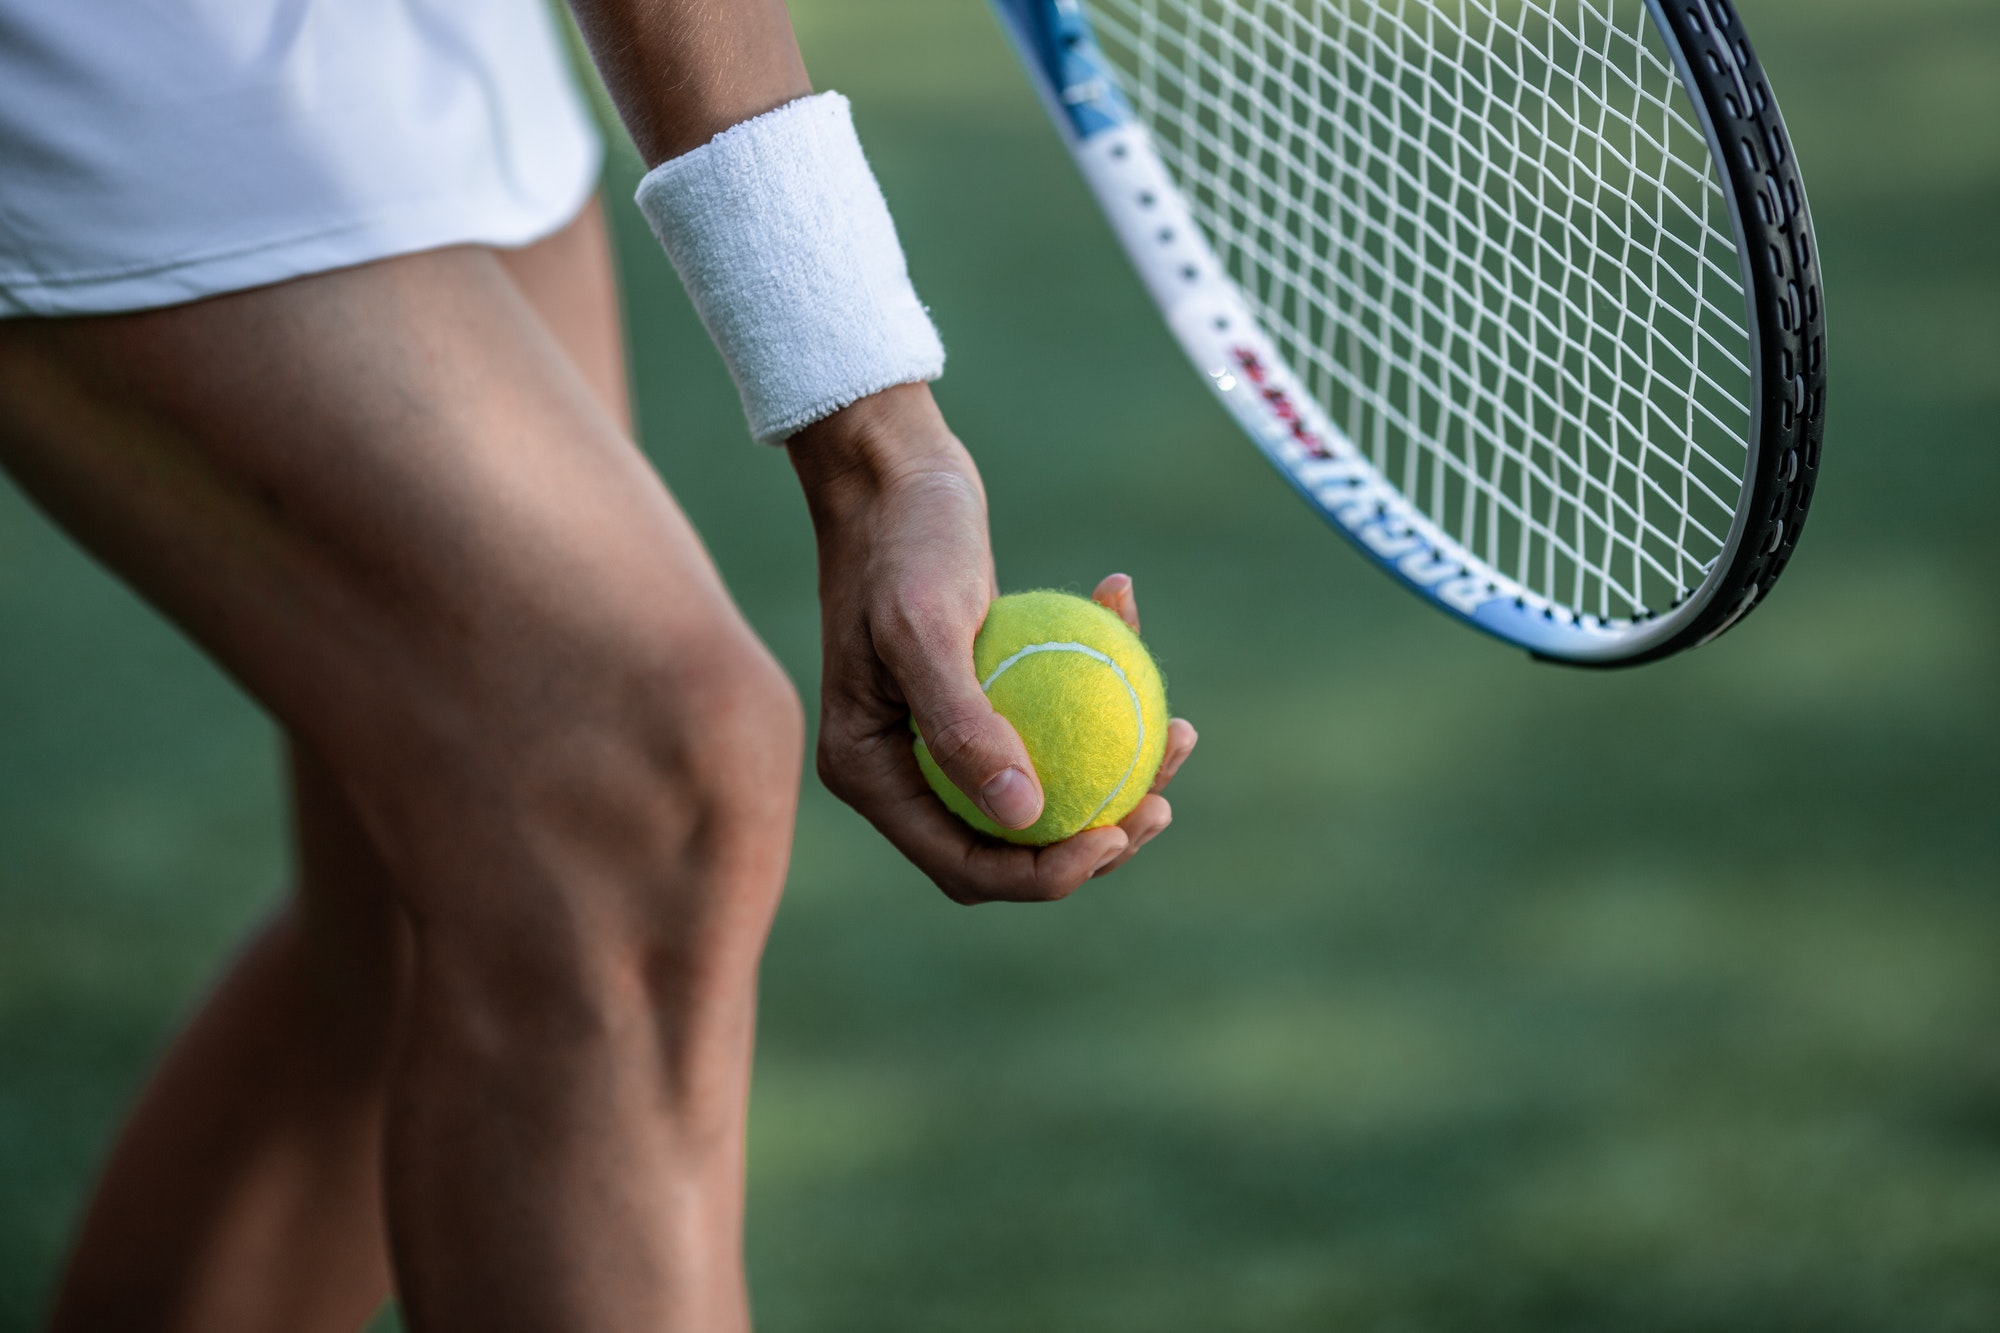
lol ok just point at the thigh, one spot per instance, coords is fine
(382, 498)
(570, 281)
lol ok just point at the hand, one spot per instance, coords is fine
(906, 575)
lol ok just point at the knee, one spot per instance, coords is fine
(683, 764)
(716, 751)
(619, 840)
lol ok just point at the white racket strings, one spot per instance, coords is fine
(1489, 237)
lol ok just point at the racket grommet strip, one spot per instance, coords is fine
(1523, 302)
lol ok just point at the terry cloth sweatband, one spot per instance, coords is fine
(785, 244)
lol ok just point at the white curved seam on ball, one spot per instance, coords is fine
(1138, 709)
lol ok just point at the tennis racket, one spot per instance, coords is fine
(1521, 295)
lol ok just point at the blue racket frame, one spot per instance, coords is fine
(1243, 368)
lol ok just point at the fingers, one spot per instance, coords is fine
(1005, 873)
(1147, 821)
(1181, 738)
(969, 867)
(1053, 877)
(977, 748)
(881, 779)
(1115, 591)
(866, 759)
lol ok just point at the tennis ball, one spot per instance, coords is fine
(1088, 702)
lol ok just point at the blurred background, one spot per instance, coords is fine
(1465, 994)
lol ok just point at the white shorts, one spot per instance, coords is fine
(157, 153)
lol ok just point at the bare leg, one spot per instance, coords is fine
(570, 281)
(243, 1193)
(436, 560)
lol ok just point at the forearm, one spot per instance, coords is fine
(682, 71)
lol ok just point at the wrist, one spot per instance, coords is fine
(872, 446)
(785, 244)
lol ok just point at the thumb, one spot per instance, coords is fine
(978, 749)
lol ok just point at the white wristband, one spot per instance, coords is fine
(785, 244)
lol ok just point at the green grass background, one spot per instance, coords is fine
(1466, 993)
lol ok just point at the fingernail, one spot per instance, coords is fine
(1010, 799)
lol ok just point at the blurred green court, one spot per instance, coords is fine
(1466, 994)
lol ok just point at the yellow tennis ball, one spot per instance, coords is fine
(1084, 694)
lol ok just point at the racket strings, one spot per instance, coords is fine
(1488, 236)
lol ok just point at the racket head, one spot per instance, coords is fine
(1594, 528)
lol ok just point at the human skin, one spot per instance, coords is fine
(543, 771)
(906, 570)
(244, 1192)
